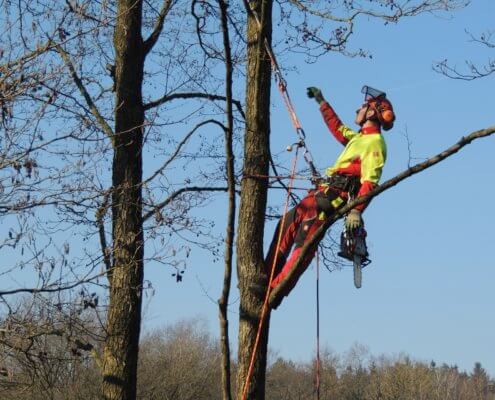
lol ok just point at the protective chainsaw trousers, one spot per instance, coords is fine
(299, 226)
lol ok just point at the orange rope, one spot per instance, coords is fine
(290, 107)
(317, 325)
(288, 103)
(282, 87)
(294, 177)
(267, 296)
(297, 125)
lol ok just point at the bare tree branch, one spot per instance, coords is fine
(52, 288)
(100, 221)
(179, 147)
(82, 89)
(223, 301)
(153, 38)
(177, 193)
(392, 13)
(473, 71)
(175, 96)
(76, 9)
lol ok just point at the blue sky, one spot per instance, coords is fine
(429, 291)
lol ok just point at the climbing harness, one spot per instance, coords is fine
(343, 183)
(353, 248)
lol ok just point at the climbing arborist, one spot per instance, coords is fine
(355, 173)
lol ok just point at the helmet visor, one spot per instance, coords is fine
(372, 93)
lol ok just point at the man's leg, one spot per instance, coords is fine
(286, 241)
(323, 202)
(304, 234)
(292, 222)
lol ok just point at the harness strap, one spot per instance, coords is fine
(344, 183)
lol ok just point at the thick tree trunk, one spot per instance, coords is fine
(126, 279)
(250, 268)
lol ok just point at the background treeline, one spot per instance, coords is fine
(182, 362)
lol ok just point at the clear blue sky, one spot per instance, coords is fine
(429, 291)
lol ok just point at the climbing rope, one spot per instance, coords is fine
(264, 309)
(278, 177)
(282, 87)
(317, 380)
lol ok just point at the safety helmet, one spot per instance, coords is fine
(378, 101)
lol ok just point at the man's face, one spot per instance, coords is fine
(363, 114)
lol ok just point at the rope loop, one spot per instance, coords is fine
(282, 83)
(300, 132)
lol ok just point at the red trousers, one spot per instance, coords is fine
(299, 226)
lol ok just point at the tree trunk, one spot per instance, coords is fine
(250, 266)
(126, 279)
(229, 239)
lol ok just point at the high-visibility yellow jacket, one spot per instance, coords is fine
(364, 154)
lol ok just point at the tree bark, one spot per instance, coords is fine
(250, 265)
(124, 313)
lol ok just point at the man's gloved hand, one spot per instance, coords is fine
(314, 92)
(353, 219)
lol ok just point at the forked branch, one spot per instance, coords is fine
(84, 92)
(153, 38)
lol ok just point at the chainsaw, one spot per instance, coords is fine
(353, 248)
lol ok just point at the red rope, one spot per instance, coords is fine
(276, 177)
(281, 83)
(317, 326)
(290, 107)
(297, 125)
(267, 296)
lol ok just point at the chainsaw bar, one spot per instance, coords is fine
(358, 275)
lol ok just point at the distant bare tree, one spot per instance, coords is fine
(46, 348)
(180, 362)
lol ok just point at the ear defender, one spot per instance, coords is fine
(388, 116)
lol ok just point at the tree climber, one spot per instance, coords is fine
(355, 173)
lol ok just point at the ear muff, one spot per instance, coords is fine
(385, 112)
(388, 116)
